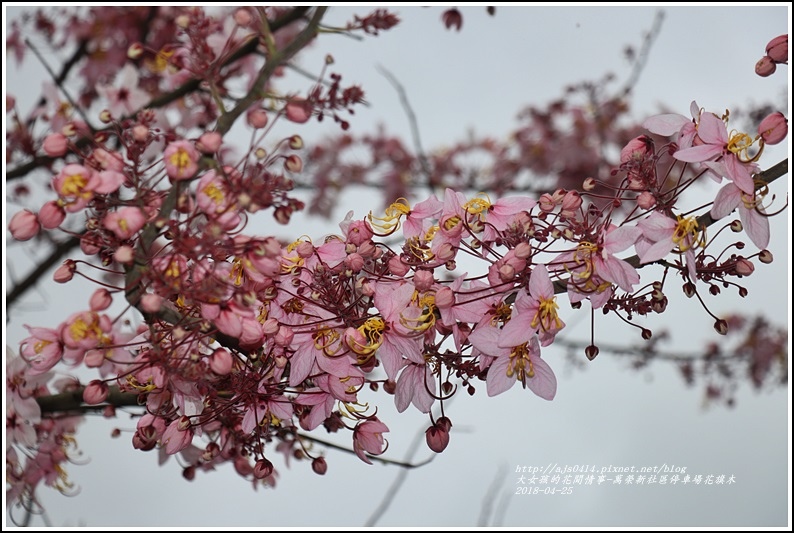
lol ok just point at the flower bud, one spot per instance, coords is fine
(689, 289)
(646, 200)
(140, 133)
(262, 469)
(437, 438)
(221, 362)
(298, 110)
(423, 280)
(296, 142)
(151, 303)
(765, 67)
(55, 144)
(209, 142)
(293, 163)
(452, 18)
(591, 352)
(589, 184)
(24, 225)
(773, 128)
(777, 49)
(135, 50)
(397, 267)
(65, 272)
(736, 226)
(100, 300)
(256, 118)
(744, 267)
(765, 256)
(320, 466)
(522, 250)
(721, 326)
(546, 203)
(242, 17)
(96, 392)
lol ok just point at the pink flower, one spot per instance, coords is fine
(125, 98)
(498, 216)
(713, 132)
(591, 264)
(661, 234)
(42, 350)
(177, 436)
(24, 225)
(368, 438)
(403, 322)
(751, 212)
(535, 311)
(512, 364)
(181, 160)
(125, 222)
(75, 185)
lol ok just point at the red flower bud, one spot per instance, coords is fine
(452, 18)
(777, 49)
(765, 67)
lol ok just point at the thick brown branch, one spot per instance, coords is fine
(308, 33)
(72, 402)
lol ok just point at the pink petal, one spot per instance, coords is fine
(756, 226)
(544, 382)
(712, 130)
(665, 125)
(727, 199)
(497, 381)
(697, 154)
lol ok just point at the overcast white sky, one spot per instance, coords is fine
(603, 415)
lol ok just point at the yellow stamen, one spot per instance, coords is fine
(546, 317)
(476, 206)
(391, 220)
(688, 234)
(520, 365)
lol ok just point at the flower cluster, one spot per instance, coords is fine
(248, 342)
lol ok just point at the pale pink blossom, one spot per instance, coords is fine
(125, 222)
(368, 438)
(181, 160)
(512, 364)
(533, 311)
(751, 212)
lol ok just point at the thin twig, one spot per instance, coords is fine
(420, 153)
(59, 83)
(384, 460)
(486, 509)
(642, 57)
